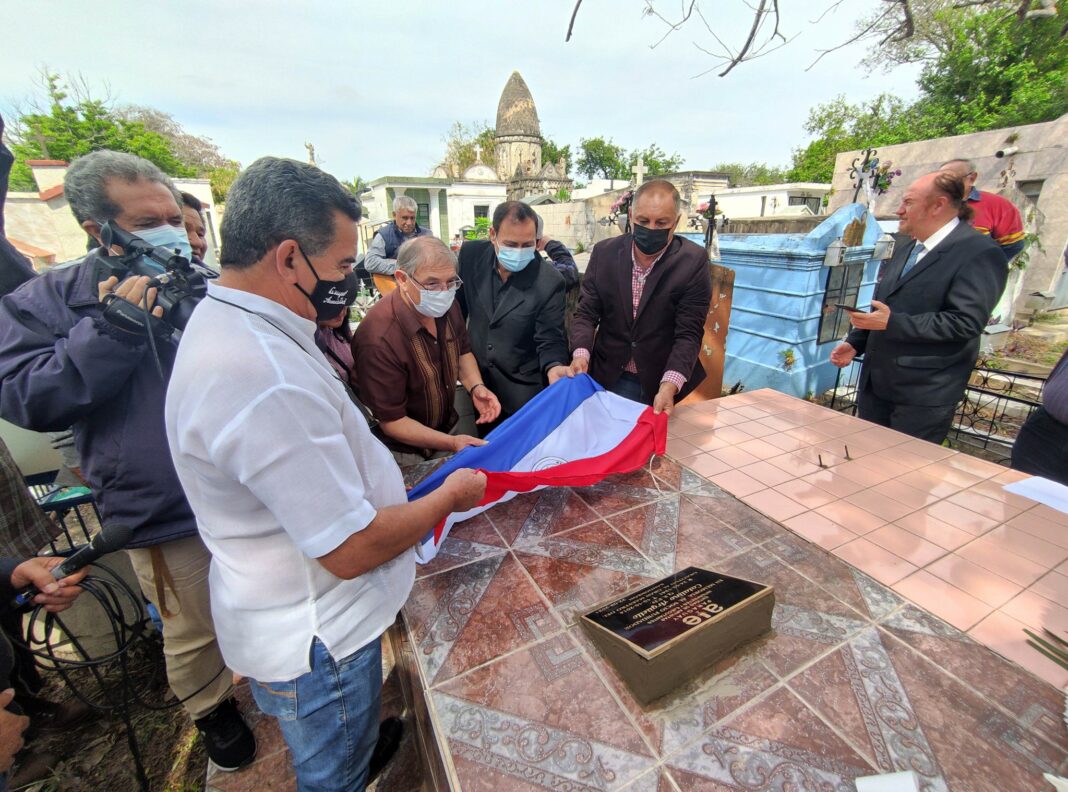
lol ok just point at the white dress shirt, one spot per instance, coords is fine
(934, 239)
(280, 468)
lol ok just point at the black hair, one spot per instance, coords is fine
(277, 199)
(513, 210)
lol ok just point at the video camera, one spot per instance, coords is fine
(179, 288)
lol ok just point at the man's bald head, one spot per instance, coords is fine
(659, 188)
(423, 251)
(930, 202)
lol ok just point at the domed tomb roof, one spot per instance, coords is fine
(516, 113)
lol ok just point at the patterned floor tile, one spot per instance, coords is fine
(658, 780)
(538, 514)
(469, 615)
(538, 719)
(619, 493)
(806, 623)
(911, 715)
(867, 596)
(580, 568)
(468, 541)
(676, 719)
(732, 512)
(675, 534)
(777, 744)
(1037, 706)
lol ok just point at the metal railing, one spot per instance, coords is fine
(996, 404)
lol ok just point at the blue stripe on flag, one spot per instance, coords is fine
(513, 439)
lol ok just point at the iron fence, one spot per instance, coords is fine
(996, 403)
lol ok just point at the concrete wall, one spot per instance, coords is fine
(51, 225)
(772, 225)
(463, 197)
(576, 222)
(1042, 157)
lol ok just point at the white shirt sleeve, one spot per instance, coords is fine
(289, 449)
(376, 261)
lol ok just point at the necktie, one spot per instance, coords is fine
(910, 262)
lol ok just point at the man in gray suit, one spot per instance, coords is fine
(921, 338)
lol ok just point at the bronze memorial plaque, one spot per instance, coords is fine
(661, 635)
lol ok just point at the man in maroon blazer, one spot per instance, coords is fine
(642, 311)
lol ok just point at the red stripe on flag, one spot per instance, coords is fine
(648, 437)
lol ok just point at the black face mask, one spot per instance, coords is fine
(650, 240)
(329, 298)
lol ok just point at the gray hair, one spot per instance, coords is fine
(421, 250)
(277, 199)
(965, 162)
(86, 183)
(658, 186)
(404, 202)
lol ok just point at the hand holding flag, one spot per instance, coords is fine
(573, 433)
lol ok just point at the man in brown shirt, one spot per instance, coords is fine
(410, 350)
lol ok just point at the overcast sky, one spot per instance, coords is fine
(375, 86)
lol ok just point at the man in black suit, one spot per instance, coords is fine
(921, 338)
(645, 296)
(513, 300)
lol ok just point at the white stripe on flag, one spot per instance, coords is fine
(593, 428)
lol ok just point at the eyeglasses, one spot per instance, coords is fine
(454, 283)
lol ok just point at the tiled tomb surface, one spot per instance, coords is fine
(895, 569)
(904, 577)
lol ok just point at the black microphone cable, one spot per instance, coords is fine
(117, 600)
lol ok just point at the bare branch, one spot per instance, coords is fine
(571, 25)
(672, 26)
(863, 33)
(748, 42)
(832, 7)
(712, 32)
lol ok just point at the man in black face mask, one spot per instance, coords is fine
(644, 299)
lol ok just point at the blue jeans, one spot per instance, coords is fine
(629, 387)
(329, 717)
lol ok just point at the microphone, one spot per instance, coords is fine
(110, 539)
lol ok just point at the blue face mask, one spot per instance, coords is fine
(515, 259)
(169, 238)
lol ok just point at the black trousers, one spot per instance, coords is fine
(1041, 448)
(924, 422)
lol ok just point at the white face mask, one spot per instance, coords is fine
(435, 304)
(168, 237)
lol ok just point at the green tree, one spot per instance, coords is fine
(222, 179)
(986, 70)
(72, 126)
(466, 144)
(840, 125)
(194, 151)
(550, 152)
(355, 185)
(748, 174)
(656, 160)
(996, 72)
(600, 158)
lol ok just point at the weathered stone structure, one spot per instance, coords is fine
(518, 146)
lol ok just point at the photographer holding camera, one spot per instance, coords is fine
(76, 351)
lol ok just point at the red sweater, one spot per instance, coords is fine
(996, 217)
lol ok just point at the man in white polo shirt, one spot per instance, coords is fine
(304, 511)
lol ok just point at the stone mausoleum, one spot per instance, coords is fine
(448, 202)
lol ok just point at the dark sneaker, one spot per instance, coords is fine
(227, 738)
(390, 732)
